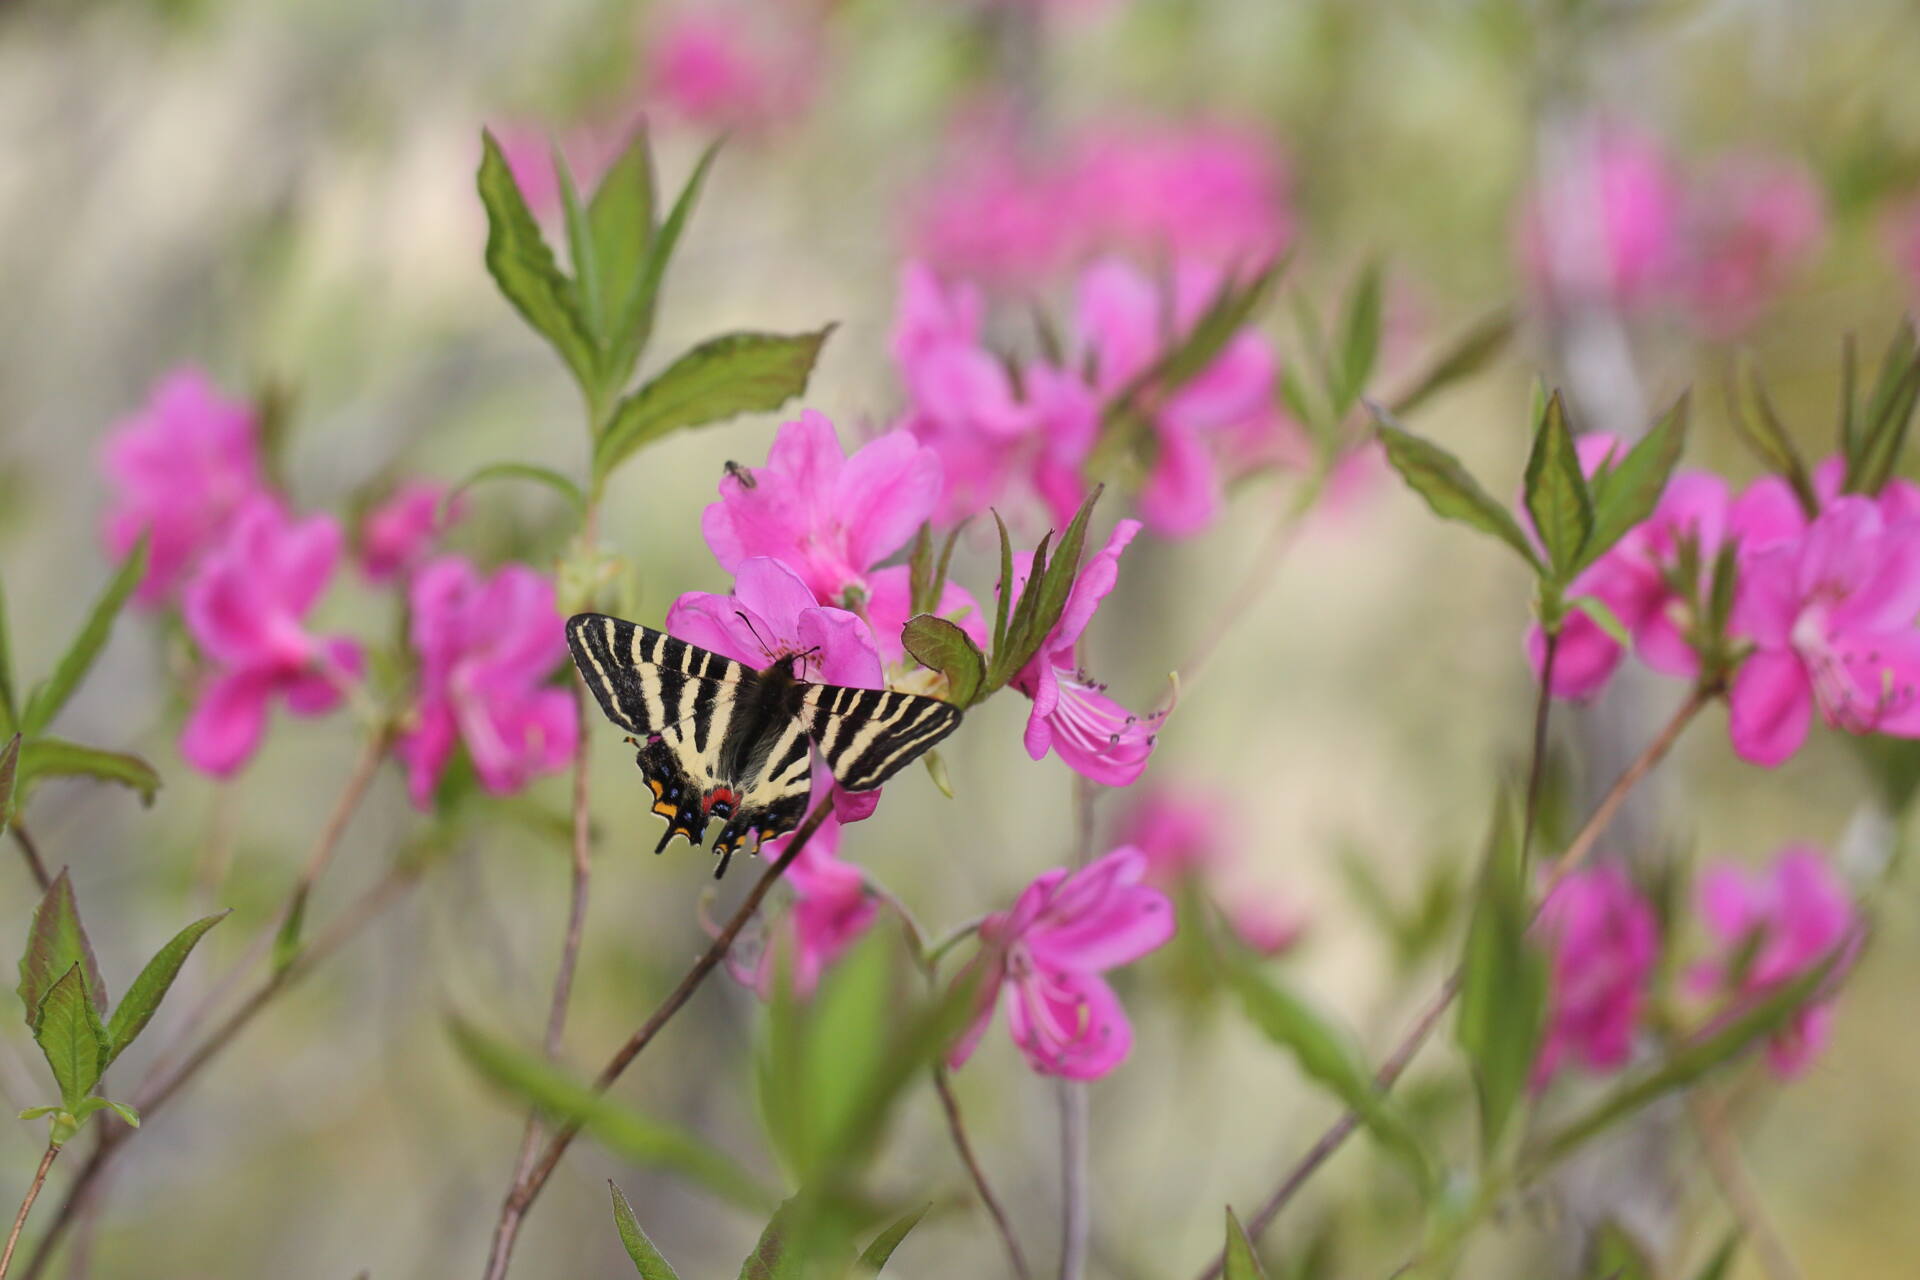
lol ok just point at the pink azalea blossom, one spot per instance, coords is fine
(1831, 615)
(721, 67)
(1043, 959)
(1193, 191)
(246, 608)
(397, 536)
(1773, 926)
(1184, 835)
(1603, 226)
(1604, 942)
(1072, 716)
(1264, 924)
(992, 212)
(831, 908)
(488, 649)
(1755, 220)
(181, 469)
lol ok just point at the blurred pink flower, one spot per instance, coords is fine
(990, 212)
(1264, 924)
(830, 910)
(1189, 191)
(1772, 927)
(487, 649)
(1603, 225)
(827, 516)
(1072, 716)
(181, 469)
(397, 536)
(1185, 838)
(246, 608)
(1832, 617)
(1754, 221)
(1900, 233)
(723, 67)
(1043, 959)
(1604, 942)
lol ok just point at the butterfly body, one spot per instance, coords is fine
(719, 739)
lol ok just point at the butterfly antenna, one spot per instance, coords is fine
(759, 639)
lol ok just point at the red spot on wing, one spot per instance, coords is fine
(720, 795)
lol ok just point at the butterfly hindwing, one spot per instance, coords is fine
(868, 735)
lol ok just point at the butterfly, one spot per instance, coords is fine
(719, 739)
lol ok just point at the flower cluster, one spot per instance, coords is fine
(1765, 929)
(1616, 224)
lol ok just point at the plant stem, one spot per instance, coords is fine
(951, 1105)
(524, 1192)
(1416, 1036)
(1075, 1216)
(1537, 763)
(1261, 574)
(1736, 1187)
(36, 866)
(26, 1207)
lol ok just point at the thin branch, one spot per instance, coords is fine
(514, 1209)
(1075, 1207)
(951, 1105)
(26, 1207)
(1736, 1187)
(1417, 1035)
(36, 865)
(1261, 575)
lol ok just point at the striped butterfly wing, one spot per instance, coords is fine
(679, 702)
(868, 735)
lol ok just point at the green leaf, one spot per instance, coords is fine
(68, 1031)
(1883, 433)
(629, 1133)
(47, 699)
(1003, 591)
(1049, 582)
(56, 942)
(621, 217)
(522, 265)
(136, 1008)
(771, 1259)
(1448, 489)
(646, 1259)
(1617, 1255)
(635, 325)
(34, 1113)
(1503, 984)
(1360, 347)
(1770, 442)
(58, 758)
(942, 646)
(547, 476)
(1242, 1263)
(937, 770)
(1556, 492)
(586, 272)
(1628, 490)
(1602, 615)
(721, 378)
(1328, 1055)
(9, 709)
(877, 1254)
(9, 765)
(1719, 1266)
(920, 595)
(1196, 350)
(1466, 357)
(126, 1113)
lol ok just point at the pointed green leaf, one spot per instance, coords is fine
(1448, 489)
(522, 265)
(56, 942)
(547, 476)
(771, 1258)
(1242, 1263)
(920, 598)
(126, 1113)
(34, 1113)
(1556, 492)
(621, 216)
(1719, 1266)
(721, 378)
(1466, 357)
(136, 1008)
(1616, 1255)
(58, 758)
(874, 1259)
(586, 271)
(1769, 440)
(9, 709)
(1360, 347)
(646, 1259)
(68, 1031)
(942, 646)
(636, 317)
(1883, 432)
(1627, 492)
(628, 1132)
(1195, 351)
(1503, 983)
(9, 767)
(46, 700)
(1003, 592)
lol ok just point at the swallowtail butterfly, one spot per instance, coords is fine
(719, 739)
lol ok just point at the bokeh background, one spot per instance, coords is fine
(282, 192)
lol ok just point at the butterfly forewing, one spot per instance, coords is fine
(868, 735)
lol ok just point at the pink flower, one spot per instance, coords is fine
(1264, 924)
(1900, 234)
(1123, 324)
(399, 533)
(1773, 926)
(181, 468)
(1604, 225)
(831, 910)
(722, 68)
(1831, 615)
(1043, 961)
(1206, 191)
(1072, 716)
(488, 649)
(1186, 840)
(1604, 942)
(1755, 221)
(246, 609)
(990, 213)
